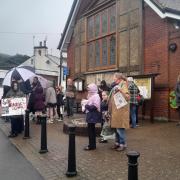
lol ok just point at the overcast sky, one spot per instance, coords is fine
(20, 20)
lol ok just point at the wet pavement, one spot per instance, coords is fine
(158, 145)
(13, 165)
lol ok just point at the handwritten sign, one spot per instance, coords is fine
(13, 106)
(119, 100)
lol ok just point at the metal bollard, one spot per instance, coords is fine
(133, 165)
(43, 134)
(71, 153)
(26, 129)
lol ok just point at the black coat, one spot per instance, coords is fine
(93, 116)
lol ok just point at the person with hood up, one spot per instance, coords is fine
(93, 114)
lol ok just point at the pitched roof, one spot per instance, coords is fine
(164, 8)
(169, 5)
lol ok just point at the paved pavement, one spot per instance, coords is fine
(157, 143)
(14, 166)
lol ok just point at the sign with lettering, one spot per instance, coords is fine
(144, 85)
(13, 106)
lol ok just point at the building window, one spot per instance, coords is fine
(112, 50)
(90, 27)
(90, 55)
(32, 61)
(39, 52)
(97, 53)
(104, 52)
(101, 39)
(112, 19)
(97, 25)
(104, 22)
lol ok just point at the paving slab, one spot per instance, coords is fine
(158, 145)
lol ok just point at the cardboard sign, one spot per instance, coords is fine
(13, 106)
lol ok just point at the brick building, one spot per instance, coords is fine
(135, 37)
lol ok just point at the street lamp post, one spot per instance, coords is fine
(60, 75)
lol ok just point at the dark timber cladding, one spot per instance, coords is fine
(108, 35)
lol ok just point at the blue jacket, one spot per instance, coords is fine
(93, 116)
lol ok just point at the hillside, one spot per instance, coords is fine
(8, 62)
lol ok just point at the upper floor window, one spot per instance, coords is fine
(102, 23)
(39, 52)
(101, 39)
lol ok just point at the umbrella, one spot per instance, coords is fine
(17, 73)
(44, 82)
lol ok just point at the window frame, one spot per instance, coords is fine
(100, 38)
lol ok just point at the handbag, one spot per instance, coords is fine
(140, 99)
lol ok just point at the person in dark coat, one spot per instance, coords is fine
(60, 102)
(104, 110)
(17, 121)
(177, 93)
(93, 114)
(70, 97)
(36, 103)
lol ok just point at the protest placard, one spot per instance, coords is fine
(13, 106)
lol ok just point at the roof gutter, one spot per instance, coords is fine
(162, 13)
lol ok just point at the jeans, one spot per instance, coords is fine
(70, 106)
(121, 136)
(133, 111)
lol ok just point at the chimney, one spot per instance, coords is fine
(40, 43)
(45, 43)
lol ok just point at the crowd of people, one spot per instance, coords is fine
(102, 106)
(49, 100)
(115, 106)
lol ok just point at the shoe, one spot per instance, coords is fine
(121, 148)
(115, 146)
(12, 135)
(50, 121)
(60, 120)
(103, 141)
(87, 148)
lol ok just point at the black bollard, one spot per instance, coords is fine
(43, 134)
(133, 165)
(26, 129)
(71, 153)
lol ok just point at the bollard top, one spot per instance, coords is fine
(71, 128)
(43, 115)
(133, 154)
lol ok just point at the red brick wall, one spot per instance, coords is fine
(156, 58)
(70, 58)
(174, 63)
(155, 45)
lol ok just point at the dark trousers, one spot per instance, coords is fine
(70, 106)
(92, 135)
(17, 124)
(60, 115)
